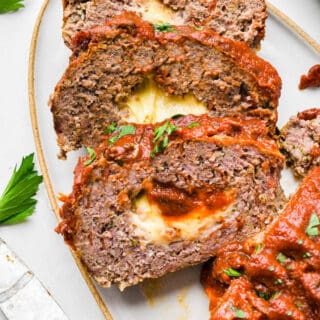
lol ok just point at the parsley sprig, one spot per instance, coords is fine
(312, 228)
(10, 5)
(161, 137)
(17, 202)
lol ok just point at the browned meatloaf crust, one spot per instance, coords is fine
(240, 20)
(277, 274)
(300, 141)
(111, 61)
(227, 167)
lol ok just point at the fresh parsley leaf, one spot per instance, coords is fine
(231, 272)
(92, 156)
(111, 128)
(10, 5)
(289, 313)
(238, 312)
(193, 124)
(161, 137)
(312, 229)
(281, 257)
(271, 268)
(124, 131)
(300, 242)
(278, 281)
(16, 202)
(163, 27)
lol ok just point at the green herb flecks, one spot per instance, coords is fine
(306, 255)
(111, 128)
(278, 281)
(271, 268)
(10, 5)
(161, 137)
(16, 202)
(281, 257)
(312, 229)
(264, 295)
(238, 312)
(123, 131)
(258, 248)
(163, 27)
(232, 272)
(193, 124)
(92, 155)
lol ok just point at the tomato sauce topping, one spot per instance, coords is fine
(277, 274)
(312, 79)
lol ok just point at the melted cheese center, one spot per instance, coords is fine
(150, 104)
(156, 12)
(152, 226)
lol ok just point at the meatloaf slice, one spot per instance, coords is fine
(300, 141)
(240, 20)
(153, 199)
(276, 274)
(111, 61)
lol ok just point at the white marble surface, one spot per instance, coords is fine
(34, 241)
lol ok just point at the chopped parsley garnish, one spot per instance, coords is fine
(281, 257)
(231, 272)
(306, 255)
(92, 155)
(193, 124)
(298, 303)
(289, 313)
(238, 312)
(312, 229)
(16, 202)
(278, 281)
(198, 28)
(161, 137)
(271, 268)
(163, 27)
(258, 248)
(264, 295)
(123, 131)
(111, 128)
(10, 5)
(275, 295)
(300, 242)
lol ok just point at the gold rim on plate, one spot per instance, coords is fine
(41, 158)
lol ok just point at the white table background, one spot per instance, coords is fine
(35, 241)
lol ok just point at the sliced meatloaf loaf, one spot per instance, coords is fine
(111, 61)
(240, 20)
(153, 199)
(275, 275)
(300, 141)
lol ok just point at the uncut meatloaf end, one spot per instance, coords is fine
(209, 181)
(300, 141)
(276, 274)
(239, 20)
(111, 61)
